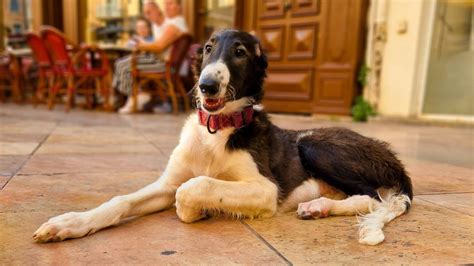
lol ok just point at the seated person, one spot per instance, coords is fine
(170, 30)
(142, 33)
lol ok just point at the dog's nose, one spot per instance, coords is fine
(208, 87)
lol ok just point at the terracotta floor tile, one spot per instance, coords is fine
(156, 239)
(165, 141)
(69, 192)
(155, 122)
(17, 148)
(459, 154)
(78, 116)
(460, 202)
(96, 138)
(93, 163)
(89, 156)
(3, 180)
(431, 177)
(75, 129)
(428, 234)
(90, 148)
(166, 151)
(31, 137)
(9, 164)
(26, 126)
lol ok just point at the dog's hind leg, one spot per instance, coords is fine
(391, 206)
(374, 214)
(323, 207)
(152, 198)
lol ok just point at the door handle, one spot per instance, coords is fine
(287, 5)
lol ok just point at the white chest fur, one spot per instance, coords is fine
(206, 154)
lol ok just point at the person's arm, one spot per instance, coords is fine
(170, 34)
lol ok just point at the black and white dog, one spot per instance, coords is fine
(231, 159)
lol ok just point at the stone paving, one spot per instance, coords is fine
(56, 162)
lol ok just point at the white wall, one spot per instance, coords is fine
(402, 60)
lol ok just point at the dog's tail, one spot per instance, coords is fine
(391, 205)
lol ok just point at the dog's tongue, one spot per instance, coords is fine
(212, 101)
(213, 104)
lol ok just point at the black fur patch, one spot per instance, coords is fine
(355, 164)
(274, 151)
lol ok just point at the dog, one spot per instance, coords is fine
(232, 160)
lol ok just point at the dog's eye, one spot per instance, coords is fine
(239, 52)
(208, 48)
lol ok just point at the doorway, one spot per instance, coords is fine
(314, 48)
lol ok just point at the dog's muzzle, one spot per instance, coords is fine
(208, 87)
(212, 86)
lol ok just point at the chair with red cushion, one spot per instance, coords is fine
(83, 69)
(169, 80)
(44, 63)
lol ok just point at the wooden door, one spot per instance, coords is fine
(313, 47)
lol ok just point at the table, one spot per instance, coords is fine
(119, 51)
(114, 47)
(21, 52)
(16, 56)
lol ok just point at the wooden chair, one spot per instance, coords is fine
(43, 61)
(169, 80)
(188, 78)
(86, 71)
(10, 77)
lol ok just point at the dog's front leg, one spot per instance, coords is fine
(152, 198)
(255, 198)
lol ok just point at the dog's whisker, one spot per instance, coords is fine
(191, 91)
(232, 91)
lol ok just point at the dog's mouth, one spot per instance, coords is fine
(212, 104)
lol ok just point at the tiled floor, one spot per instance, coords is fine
(52, 162)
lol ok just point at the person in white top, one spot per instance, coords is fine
(164, 35)
(173, 27)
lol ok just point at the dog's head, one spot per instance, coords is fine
(229, 69)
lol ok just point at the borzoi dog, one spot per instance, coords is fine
(232, 160)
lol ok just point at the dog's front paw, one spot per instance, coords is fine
(68, 225)
(188, 214)
(188, 200)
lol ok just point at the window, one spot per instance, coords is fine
(449, 85)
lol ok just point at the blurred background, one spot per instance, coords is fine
(407, 58)
(408, 62)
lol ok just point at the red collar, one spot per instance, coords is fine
(220, 121)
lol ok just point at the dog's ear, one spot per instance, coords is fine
(261, 57)
(261, 71)
(260, 53)
(197, 64)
